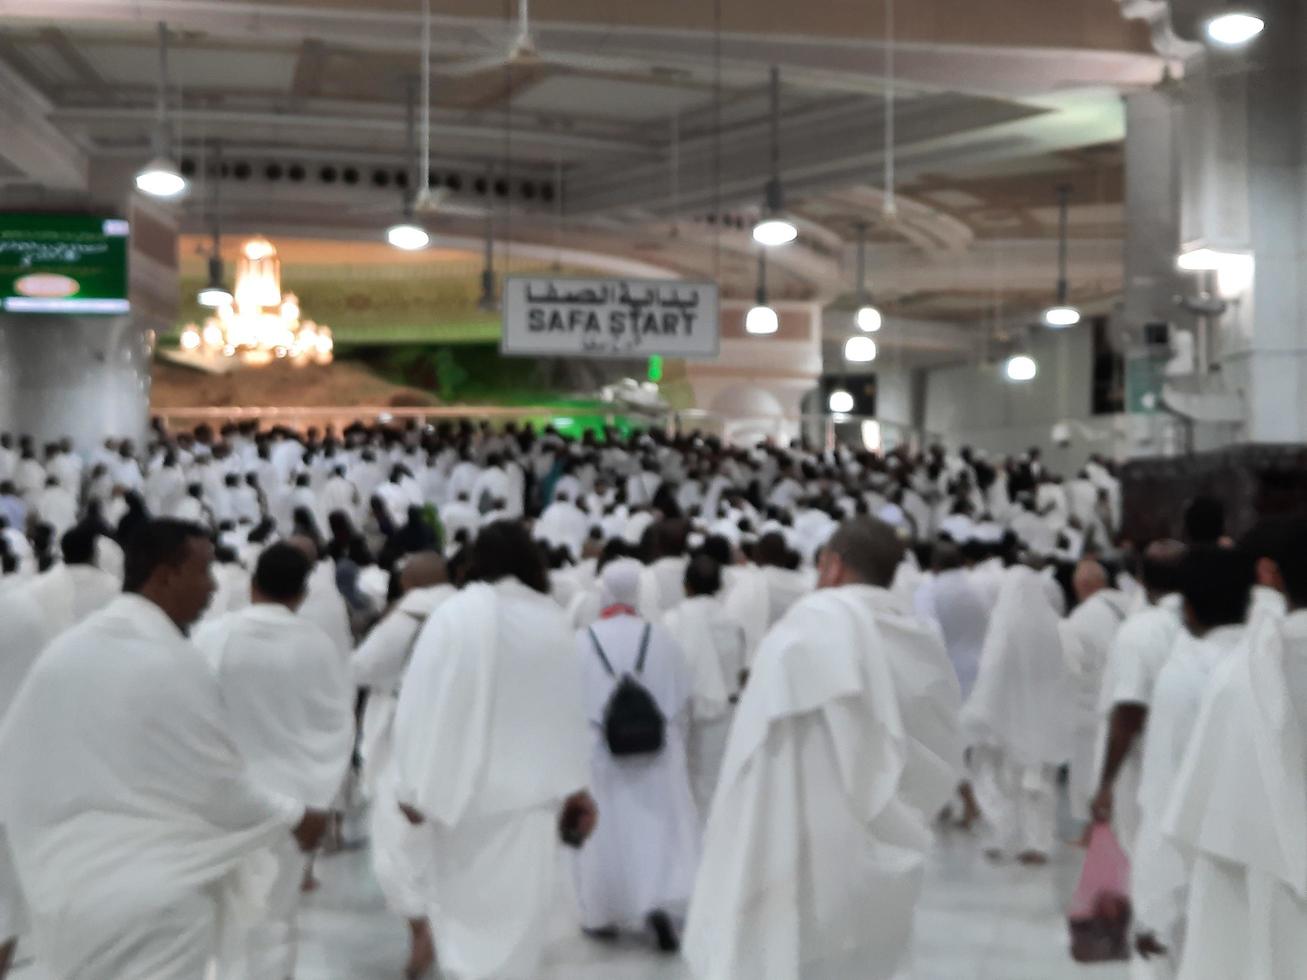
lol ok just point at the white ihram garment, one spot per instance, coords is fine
(952, 602)
(399, 853)
(21, 640)
(1087, 636)
(67, 594)
(1237, 811)
(713, 645)
(1018, 718)
(1159, 874)
(662, 584)
(844, 747)
(289, 703)
(325, 608)
(748, 602)
(489, 741)
(643, 854)
(136, 822)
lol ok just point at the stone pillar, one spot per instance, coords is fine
(756, 384)
(88, 377)
(1244, 188)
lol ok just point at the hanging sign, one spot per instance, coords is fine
(563, 317)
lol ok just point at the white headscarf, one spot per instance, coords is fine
(620, 580)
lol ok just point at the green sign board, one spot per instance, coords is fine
(63, 263)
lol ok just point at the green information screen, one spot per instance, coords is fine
(63, 263)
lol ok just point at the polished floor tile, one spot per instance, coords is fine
(977, 921)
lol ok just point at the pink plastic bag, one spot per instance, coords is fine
(1099, 916)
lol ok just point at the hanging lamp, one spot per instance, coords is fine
(1062, 314)
(774, 227)
(762, 318)
(161, 177)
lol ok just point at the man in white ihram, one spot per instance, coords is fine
(1087, 635)
(1016, 719)
(845, 746)
(289, 703)
(130, 813)
(491, 758)
(637, 870)
(398, 856)
(714, 646)
(1239, 803)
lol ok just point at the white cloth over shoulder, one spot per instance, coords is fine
(289, 699)
(21, 640)
(1238, 810)
(643, 855)
(137, 806)
(67, 594)
(845, 745)
(1021, 703)
(489, 740)
(958, 608)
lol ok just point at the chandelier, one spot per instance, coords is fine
(261, 324)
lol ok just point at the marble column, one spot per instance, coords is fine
(1244, 188)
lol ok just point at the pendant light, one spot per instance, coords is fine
(1020, 368)
(1234, 26)
(774, 227)
(841, 402)
(407, 234)
(860, 349)
(215, 294)
(868, 316)
(762, 318)
(1062, 314)
(161, 177)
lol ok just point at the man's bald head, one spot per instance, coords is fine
(1090, 577)
(423, 570)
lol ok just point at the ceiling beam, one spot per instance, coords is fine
(86, 73)
(447, 124)
(31, 143)
(310, 65)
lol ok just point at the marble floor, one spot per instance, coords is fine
(977, 921)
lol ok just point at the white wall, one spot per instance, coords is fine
(976, 405)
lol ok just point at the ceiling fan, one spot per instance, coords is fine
(524, 53)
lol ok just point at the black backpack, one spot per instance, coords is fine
(633, 723)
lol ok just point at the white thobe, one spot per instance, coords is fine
(662, 584)
(643, 855)
(1237, 811)
(489, 741)
(1138, 652)
(136, 821)
(956, 606)
(57, 507)
(563, 524)
(1017, 718)
(1159, 875)
(748, 602)
(289, 703)
(1087, 635)
(714, 646)
(459, 515)
(399, 854)
(844, 747)
(325, 607)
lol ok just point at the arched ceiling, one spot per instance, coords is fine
(648, 149)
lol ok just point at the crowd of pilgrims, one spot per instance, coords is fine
(745, 687)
